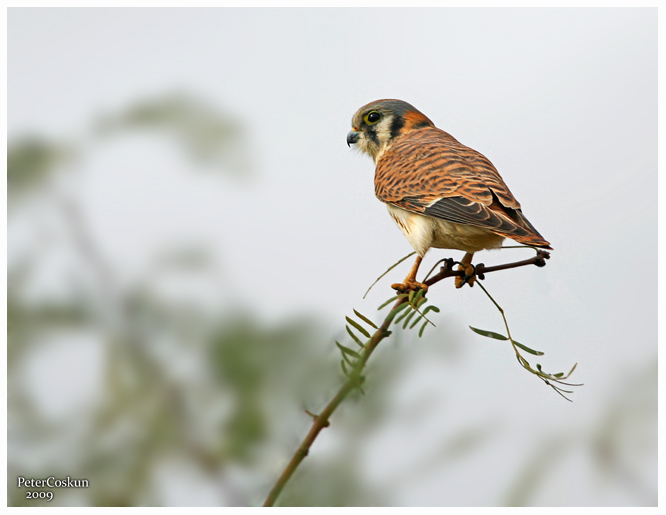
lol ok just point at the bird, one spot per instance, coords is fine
(439, 192)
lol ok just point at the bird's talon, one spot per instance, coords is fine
(408, 286)
(468, 278)
(479, 271)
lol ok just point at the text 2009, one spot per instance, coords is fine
(39, 495)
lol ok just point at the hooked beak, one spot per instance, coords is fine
(352, 137)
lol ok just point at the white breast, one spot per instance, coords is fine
(424, 232)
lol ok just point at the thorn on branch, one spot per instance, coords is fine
(325, 423)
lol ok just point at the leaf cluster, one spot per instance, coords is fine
(409, 310)
(555, 381)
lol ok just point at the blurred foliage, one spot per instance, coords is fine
(29, 163)
(177, 381)
(219, 393)
(336, 482)
(208, 137)
(617, 443)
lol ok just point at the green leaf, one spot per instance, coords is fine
(524, 362)
(409, 317)
(418, 296)
(527, 349)
(403, 315)
(416, 321)
(358, 326)
(388, 302)
(347, 350)
(397, 310)
(344, 367)
(366, 320)
(354, 337)
(348, 360)
(422, 328)
(488, 334)
(431, 308)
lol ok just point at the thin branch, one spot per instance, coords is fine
(321, 420)
(545, 377)
(354, 379)
(480, 270)
(387, 271)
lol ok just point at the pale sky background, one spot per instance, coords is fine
(562, 101)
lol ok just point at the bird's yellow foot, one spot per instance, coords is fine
(410, 285)
(468, 278)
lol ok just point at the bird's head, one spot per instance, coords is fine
(376, 125)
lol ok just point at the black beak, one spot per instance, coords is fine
(352, 138)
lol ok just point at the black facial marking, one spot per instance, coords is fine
(372, 134)
(421, 124)
(396, 125)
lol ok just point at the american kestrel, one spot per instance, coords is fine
(440, 193)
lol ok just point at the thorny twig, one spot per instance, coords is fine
(354, 379)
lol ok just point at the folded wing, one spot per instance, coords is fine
(428, 171)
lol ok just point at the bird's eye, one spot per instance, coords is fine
(372, 117)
